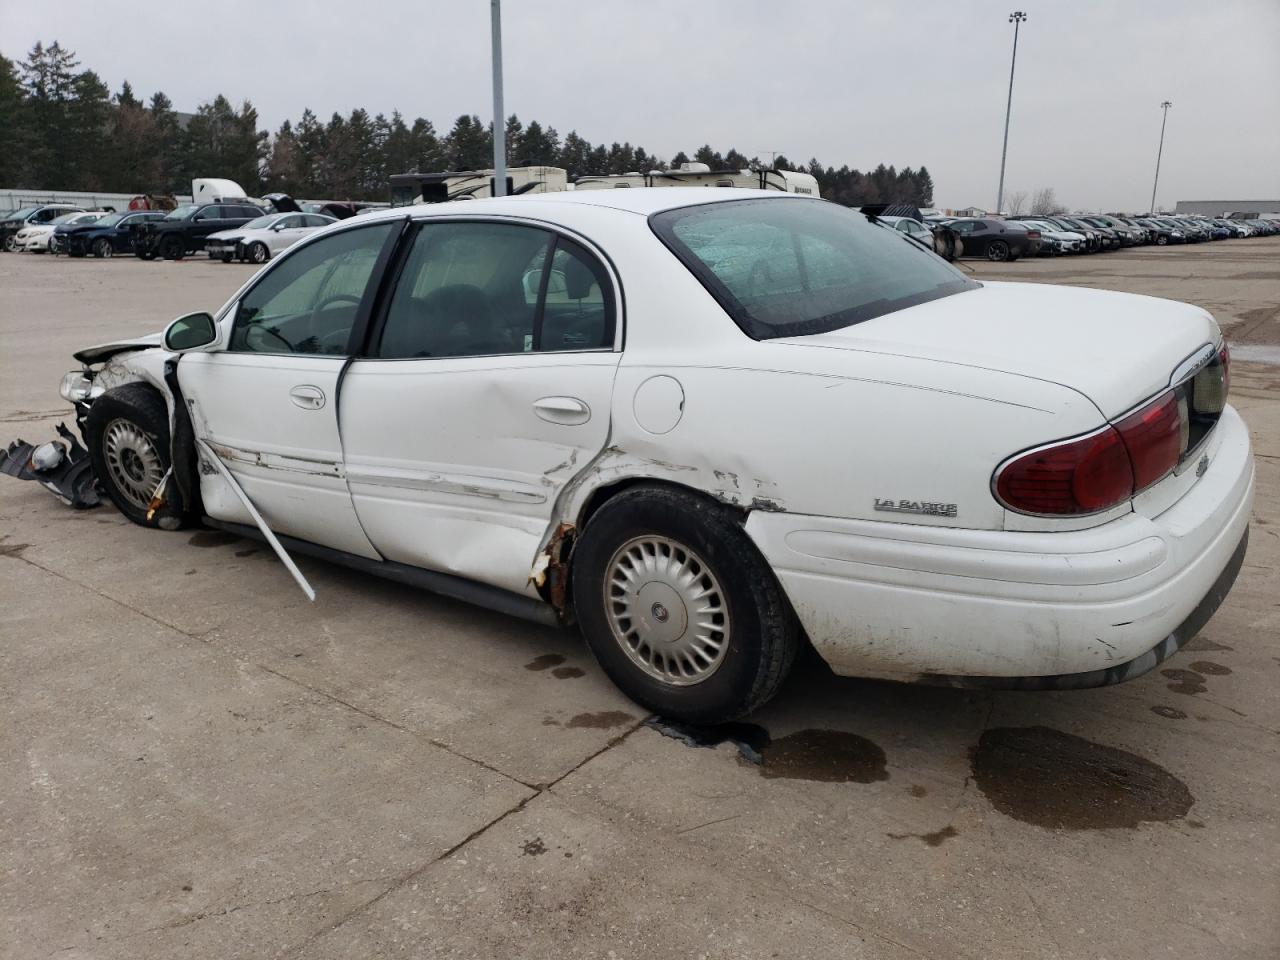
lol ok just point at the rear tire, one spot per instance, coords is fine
(173, 248)
(998, 251)
(128, 434)
(642, 562)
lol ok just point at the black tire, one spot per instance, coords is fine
(102, 248)
(258, 252)
(145, 254)
(998, 251)
(1161, 240)
(173, 248)
(762, 632)
(225, 257)
(143, 413)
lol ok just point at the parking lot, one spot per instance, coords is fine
(197, 762)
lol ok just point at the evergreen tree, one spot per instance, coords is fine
(469, 145)
(13, 124)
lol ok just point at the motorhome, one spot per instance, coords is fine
(407, 188)
(701, 175)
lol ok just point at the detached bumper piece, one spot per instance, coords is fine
(60, 466)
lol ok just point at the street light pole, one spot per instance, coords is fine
(1016, 18)
(1165, 107)
(499, 115)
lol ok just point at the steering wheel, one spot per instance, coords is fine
(255, 336)
(335, 338)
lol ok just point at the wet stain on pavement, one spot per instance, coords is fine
(1212, 669)
(247, 553)
(749, 738)
(826, 756)
(544, 662)
(1205, 644)
(935, 839)
(1185, 681)
(533, 848)
(12, 549)
(1169, 713)
(568, 673)
(605, 720)
(212, 538)
(917, 790)
(1056, 780)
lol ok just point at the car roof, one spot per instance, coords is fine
(642, 201)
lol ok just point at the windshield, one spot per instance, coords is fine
(784, 267)
(110, 220)
(181, 213)
(23, 213)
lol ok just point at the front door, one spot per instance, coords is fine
(267, 402)
(487, 388)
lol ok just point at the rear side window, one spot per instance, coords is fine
(482, 289)
(790, 267)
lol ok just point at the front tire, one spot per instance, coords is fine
(679, 607)
(102, 248)
(258, 252)
(128, 433)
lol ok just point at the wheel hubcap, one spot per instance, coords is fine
(666, 610)
(132, 461)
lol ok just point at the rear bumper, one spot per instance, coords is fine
(986, 607)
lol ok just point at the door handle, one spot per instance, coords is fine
(567, 410)
(307, 397)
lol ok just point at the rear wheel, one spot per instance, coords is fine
(172, 248)
(997, 250)
(680, 608)
(128, 433)
(102, 248)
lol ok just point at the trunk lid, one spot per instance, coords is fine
(1115, 348)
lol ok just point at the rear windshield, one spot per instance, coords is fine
(788, 267)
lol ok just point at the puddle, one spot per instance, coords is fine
(749, 738)
(935, 839)
(212, 538)
(544, 662)
(605, 720)
(827, 756)
(568, 673)
(1169, 713)
(1212, 669)
(1055, 780)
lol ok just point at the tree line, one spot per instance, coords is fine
(63, 129)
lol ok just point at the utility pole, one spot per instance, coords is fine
(499, 115)
(1016, 18)
(1165, 107)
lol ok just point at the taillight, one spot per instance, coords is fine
(1076, 476)
(1224, 358)
(1154, 437)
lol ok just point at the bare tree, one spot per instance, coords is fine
(1045, 202)
(1016, 203)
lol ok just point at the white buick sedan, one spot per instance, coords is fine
(259, 240)
(708, 426)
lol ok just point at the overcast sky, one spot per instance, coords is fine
(906, 83)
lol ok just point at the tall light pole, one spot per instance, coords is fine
(1165, 107)
(499, 115)
(1016, 18)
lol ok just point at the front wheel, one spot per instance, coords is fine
(1161, 241)
(997, 250)
(258, 252)
(680, 608)
(128, 433)
(102, 248)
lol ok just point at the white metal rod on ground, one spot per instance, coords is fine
(499, 115)
(257, 518)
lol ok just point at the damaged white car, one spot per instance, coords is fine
(708, 429)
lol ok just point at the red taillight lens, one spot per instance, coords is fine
(1153, 437)
(1078, 476)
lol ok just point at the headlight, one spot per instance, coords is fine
(75, 386)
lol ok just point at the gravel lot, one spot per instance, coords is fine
(195, 762)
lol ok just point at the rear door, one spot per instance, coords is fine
(267, 402)
(488, 387)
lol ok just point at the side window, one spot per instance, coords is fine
(315, 220)
(308, 303)
(463, 292)
(479, 289)
(206, 213)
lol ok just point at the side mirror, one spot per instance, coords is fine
(191, 332)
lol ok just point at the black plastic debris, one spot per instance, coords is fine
(60, 466)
